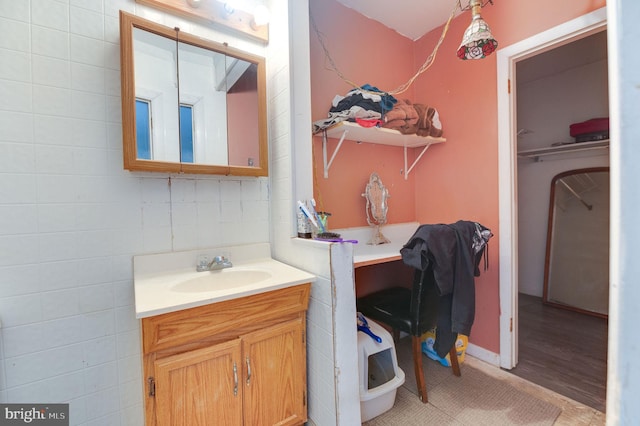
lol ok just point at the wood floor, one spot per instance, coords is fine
(562, 350)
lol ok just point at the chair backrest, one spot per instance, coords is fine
(424, 302)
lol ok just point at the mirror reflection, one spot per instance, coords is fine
(156, 97)
(189, 104)
(577, 258)
(203, 105)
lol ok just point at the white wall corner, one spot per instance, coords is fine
(623, 371)
(345, 335)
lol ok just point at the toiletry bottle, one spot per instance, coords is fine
(304, 225)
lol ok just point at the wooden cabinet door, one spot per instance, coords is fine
(200, 387)
(275, 375)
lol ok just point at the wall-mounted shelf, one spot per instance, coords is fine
(561, 149)
(377, 135)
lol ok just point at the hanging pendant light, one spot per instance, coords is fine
(477, 42)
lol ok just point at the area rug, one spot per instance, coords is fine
(473, 399)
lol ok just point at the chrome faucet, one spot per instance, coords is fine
(219, 262)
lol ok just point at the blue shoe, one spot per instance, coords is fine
(427, 349)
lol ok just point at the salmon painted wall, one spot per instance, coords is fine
(365, 52)
(459, 179)
(454, 180)
(241, 132)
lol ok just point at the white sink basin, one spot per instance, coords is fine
(169, 282)
(221, 280)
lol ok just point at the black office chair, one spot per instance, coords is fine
(413, 311)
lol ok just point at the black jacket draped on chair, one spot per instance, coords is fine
(454, 251)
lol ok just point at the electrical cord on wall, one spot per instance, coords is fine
(402, 88)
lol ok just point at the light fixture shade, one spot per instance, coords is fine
(261, 15)
(477, 42)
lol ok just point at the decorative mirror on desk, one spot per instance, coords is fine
(190, 105)
(376, 195)
(577, 258)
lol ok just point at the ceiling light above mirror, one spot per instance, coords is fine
(261, 15)
(235, 15)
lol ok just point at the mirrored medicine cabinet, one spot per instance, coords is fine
(190, 105)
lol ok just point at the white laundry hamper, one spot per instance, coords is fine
(380, 376)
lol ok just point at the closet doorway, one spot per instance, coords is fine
(558, 81)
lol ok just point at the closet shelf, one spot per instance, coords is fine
(561, 149)
(346, 130)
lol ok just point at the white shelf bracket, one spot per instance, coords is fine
(407, 171)
(327, 165)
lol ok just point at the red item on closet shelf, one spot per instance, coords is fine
(595, 125)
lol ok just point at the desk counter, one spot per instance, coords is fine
(365, 254)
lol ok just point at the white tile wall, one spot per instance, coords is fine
(51, 71)
(17, 37)
(48, 100)
(12, 125)
(20, 219)
(15, 96)
(71, 218)
(49, 42)
(325, 347)
(15, 10)
(15, 65)
(87, 23)
(50, 14)
(19, 279)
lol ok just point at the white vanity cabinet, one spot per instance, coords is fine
(236, 362)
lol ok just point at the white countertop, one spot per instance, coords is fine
(367, 254)
(155, 275)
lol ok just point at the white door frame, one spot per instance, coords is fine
(507, 164)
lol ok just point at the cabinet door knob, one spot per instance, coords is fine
(248, 371)
(235, 380)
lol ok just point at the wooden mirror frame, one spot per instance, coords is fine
(546, 297)
(131, 161)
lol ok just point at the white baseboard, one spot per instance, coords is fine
(483, 354)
